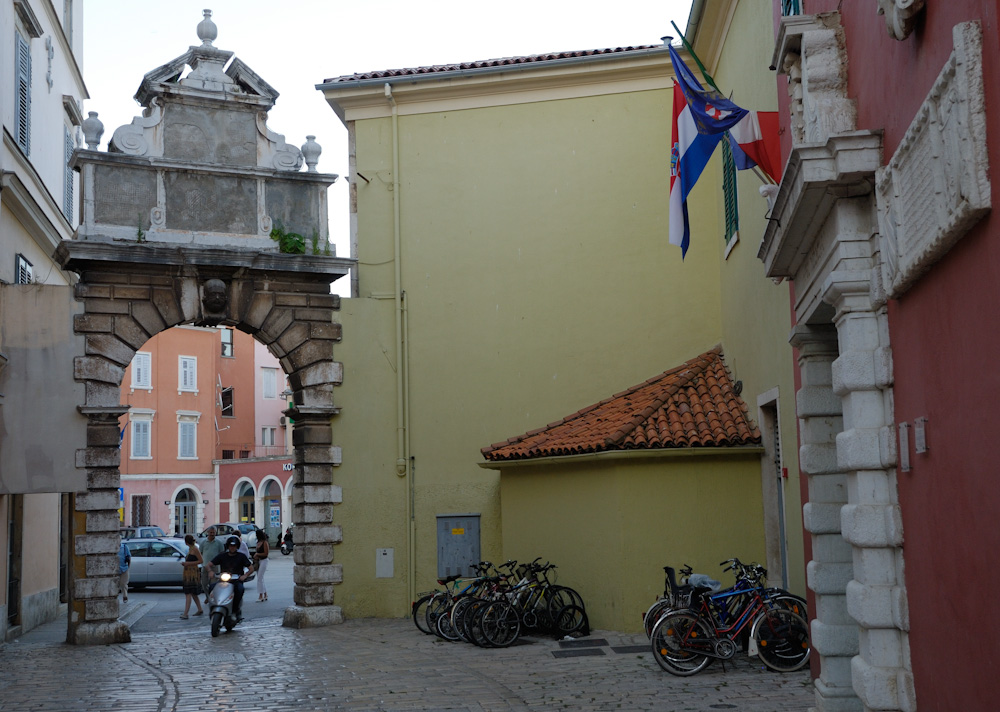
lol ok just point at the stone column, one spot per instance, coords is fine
(93, 609)
(313, 498)
(871, 520)
(834, 634)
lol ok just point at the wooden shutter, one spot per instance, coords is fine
(22, 93)
(142, 370)
(68, 178)
(140, 438)
(189, 373)
(729, 190)
(187, 439)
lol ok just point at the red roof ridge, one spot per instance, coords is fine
(693, 404)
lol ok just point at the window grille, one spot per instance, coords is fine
(140, 510)
(228, 454)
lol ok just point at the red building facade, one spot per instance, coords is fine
(883, 221)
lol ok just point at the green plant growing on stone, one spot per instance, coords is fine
(290, 243)
(140, 235)
(315, 242)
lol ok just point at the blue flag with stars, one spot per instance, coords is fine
(712, 112)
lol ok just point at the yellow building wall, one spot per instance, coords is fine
(40, 569)
(538, 280)
(756, 316)
(611, 525)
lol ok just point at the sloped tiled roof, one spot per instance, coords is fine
(693, 405)
(486, 63)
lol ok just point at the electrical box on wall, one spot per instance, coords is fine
(383, 563)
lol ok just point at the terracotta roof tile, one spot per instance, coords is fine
(484, 64)
(692, 405)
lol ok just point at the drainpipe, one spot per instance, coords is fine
(401, 351)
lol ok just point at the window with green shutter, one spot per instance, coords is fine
(68, 176)
(729, 191)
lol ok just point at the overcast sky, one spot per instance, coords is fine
(296, 44)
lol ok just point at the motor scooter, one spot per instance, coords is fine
(288, 544)
(220, 605)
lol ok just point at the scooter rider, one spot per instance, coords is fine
(232, 561)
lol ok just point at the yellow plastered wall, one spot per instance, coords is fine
(538, 280)
(612, 525)
(756, 316)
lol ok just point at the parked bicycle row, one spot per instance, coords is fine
(695, 622)
(498, 604)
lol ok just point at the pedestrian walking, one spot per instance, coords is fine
(210, 548)
(124, 561)
(192, 577)
(260, 563)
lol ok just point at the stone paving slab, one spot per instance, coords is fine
(370, 665)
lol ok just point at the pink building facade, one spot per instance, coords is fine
(884, 223)
(204, 438)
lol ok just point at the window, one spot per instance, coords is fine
(188, 374)
(24, 273)
(729, 191)
(228, 454)
(140, 509)
(142, 426)
(69, 145)
(22, 93)
(244, 454)
(226, 398)
(227, 342)
(142, 372)
(267, 436)
(67, 20)
(269, 382)
(187, 435)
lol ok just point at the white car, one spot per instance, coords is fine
(246, 532)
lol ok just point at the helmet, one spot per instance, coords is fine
(233, 541)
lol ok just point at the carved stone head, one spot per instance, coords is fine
(215, 296)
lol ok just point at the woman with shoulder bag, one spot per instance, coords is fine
(260, 564)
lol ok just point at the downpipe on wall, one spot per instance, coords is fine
(402, 352)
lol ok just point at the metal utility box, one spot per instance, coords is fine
(458, 544)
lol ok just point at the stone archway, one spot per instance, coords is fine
(131, 293)
(198, 214)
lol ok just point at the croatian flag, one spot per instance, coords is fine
(712, 112)
(689, 154)
(755, 142)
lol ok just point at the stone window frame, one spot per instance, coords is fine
(139, 417)
(187, 429)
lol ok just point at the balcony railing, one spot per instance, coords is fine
(791, 7)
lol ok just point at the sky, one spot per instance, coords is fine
(297, 44)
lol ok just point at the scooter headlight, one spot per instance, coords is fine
(225, 577)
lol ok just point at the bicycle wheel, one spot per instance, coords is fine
(560, 597)
(782, 639)
(796, 604)
(501, 625)
(444, 628)
(459, 611)
(653, 614)
(420, 613)
(473, 622)
(570, 619)
(677, 640)
(436, 607)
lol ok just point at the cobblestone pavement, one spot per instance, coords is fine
(368, 665)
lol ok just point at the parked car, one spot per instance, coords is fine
(144, 532)
(246, 532)
(156, 562)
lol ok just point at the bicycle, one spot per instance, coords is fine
(684, 642)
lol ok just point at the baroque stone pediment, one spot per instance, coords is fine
(200, 165)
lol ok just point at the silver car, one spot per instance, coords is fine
(156, 562)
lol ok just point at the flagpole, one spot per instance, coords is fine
(697, 61)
